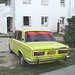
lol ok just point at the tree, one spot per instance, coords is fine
(71, 21)
(70, 35)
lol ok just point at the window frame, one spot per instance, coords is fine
(62, 3)
(62, 20)
(29, 24)
(25, 2)
(15, 35)
(45, 19)
(18, 35)
(45, 3)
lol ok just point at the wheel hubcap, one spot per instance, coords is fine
(21, 60)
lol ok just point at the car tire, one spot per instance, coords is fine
(23, 63)
(10, 50)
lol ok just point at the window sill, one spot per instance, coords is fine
(62, 5)
(26, 26)
(44, 4)
(26, 3)
(44, 25)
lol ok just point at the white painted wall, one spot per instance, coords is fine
(5, 11)
(72, 8)
(17, 10)
(36, 10)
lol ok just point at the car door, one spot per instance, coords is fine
(18, 41)
(14, 41)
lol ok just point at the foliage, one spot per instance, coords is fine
(71, 21)
(70, 36)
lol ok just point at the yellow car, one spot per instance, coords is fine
(37, 47)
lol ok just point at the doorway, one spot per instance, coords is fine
(9, 24)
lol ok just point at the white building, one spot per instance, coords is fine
(34, 14)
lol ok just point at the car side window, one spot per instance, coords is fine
(15, 35)
(19, 36)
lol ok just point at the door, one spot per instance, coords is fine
(9, 24)
(62, 24)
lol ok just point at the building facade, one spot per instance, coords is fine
(34, 14)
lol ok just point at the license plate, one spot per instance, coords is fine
(51, 52)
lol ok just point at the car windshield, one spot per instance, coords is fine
(33, 36)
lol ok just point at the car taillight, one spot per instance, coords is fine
(38, 53)
(62, 51)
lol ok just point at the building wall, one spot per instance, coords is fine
(72, 8)
(5, 11)
(17, 9)
(36, 10)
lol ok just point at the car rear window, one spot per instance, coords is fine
(33, 36)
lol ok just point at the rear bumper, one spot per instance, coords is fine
(51, 59)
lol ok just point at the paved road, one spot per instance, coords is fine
(4, 42)
(64, 71)
(7, 57)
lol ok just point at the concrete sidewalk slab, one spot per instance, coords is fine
(64, 71)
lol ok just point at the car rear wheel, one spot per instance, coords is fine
(22, 61)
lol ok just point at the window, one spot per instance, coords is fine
(44, 20)
(15, 35)
(19, 36)
(44, 2)
(1, 1)
(26, 20)
(62, 3)
(35, 36)
(6, 2)
(27, 1)
(62, 20)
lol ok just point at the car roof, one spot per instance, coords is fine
(25, 30)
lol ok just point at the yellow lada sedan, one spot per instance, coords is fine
(37, 47)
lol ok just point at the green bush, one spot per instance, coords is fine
(70, 36)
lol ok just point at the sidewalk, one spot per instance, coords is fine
(6, 35)
(70, 70)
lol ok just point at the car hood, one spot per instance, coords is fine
(46, 45)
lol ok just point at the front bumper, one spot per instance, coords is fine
(51, 59)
